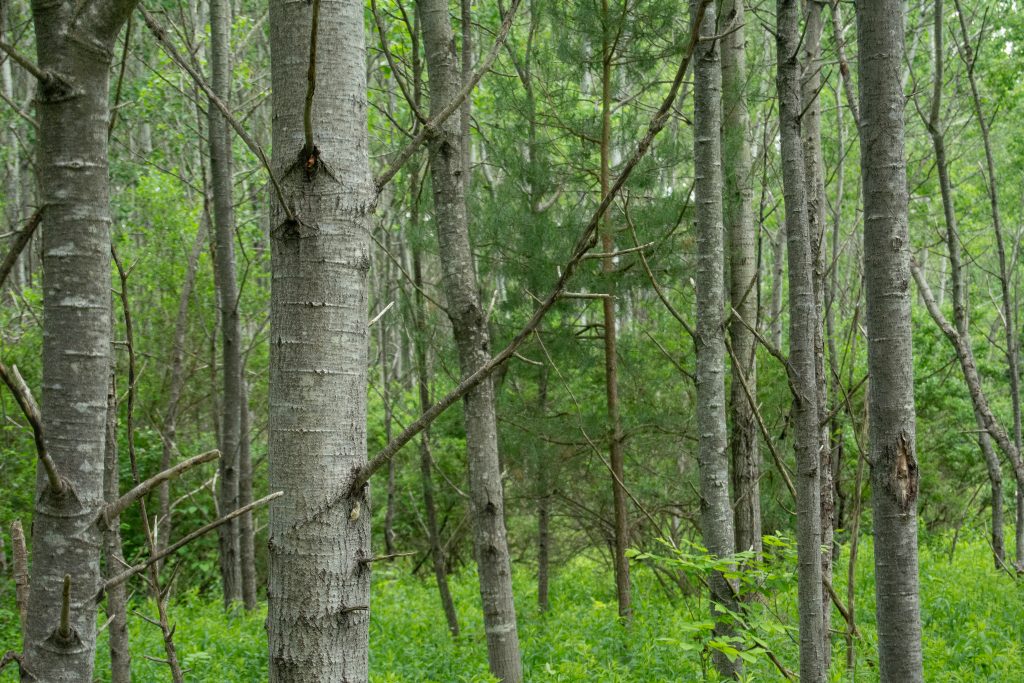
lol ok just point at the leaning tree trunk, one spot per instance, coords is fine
(74, 45)
(472, 337)
(715, 509)
(319, 586)
(802, 330)
(894, 468)
(739, 226)
(227, 291)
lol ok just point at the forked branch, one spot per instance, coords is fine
(114, 510)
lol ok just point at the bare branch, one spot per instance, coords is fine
(20, 241)
(112, 511)
(170, 550)
(12, 378)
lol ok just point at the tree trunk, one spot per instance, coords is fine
(715, 509)
(739, 226)
(319, 586)
(227, 293)
(117, 599)
(473, 340)
(611, 364)
(814, 175)
(75, 48)
(894, 468)
(802, 336)
(543, 466)
(246, 531)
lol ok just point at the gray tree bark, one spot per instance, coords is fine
(246, 530)
(319, 585)
(227, 293)
(77, 43)
(716, 516)
(894, 467)
(739, 226)
(803, 324)
(472, 337)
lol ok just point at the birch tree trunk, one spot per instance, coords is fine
(802, 331)
(319, 586)
(894, 468)
(472, 337)
(739, 226)
(74, 46)
(715, 509)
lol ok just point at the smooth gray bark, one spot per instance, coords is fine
(319, 584)
(739, 226)
(716, 516)
(472, 337)
(76, 42)
(894, 467)
(227, 295)
(803, 323)
(246, 530)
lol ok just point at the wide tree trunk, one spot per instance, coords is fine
(319, 586)
(716, 516)
(449, 176)
(227, 293)
(894, 468)
(74, 46)
(802, 332)
(737, 212)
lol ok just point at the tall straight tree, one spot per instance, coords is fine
(737, 212)
(802, 327)
(227, 291)
(894, 468)
(74, 45)
(716, 516)
(319, 587)
(469, 323)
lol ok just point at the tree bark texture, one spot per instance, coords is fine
(739, 226)
(73, 111)
(319, 584)
(715, 509)
(472, 337)
(894, 467)
(802, 332)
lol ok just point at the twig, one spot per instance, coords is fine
(112, 511)
(380, 315)
(430, 127)
(379, 558)
(393, 66)
(42, 75)
(620, 252)
(12, 378)
(21, 239)
(12, 656)
(170, 550)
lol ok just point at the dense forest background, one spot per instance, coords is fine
(552, 122)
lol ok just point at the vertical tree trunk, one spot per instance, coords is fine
(611, 364)
(894, 468)
(73, 110)
(715, 509)
(473, 340)
(12, 200)
(802, 332)
(739, 227)
(385, 392)
(227, 292)
(246, 531)
(543, 465)
(117, 599)
(319, 587)
(814, 175)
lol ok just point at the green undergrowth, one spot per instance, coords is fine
(973, 620)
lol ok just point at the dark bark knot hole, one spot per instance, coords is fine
(905, 475)
(309, 159)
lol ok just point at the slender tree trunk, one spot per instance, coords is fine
(715, 509)
(473, 340)
(319, 586)
(803, 325)
(814, 174)
(227, 292)
(117, 599)
(246, 531)
(739, 226)
(385, 392)
(543, 465)
(894, 467)
(74, 45)
(611, 364)
(12, 200)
